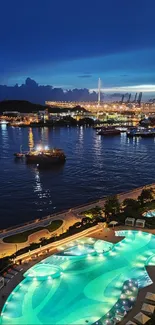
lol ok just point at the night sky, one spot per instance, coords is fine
(71, 43)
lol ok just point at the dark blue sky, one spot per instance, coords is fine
(72, 43)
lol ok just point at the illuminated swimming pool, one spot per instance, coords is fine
(87, 286)
(150, 214)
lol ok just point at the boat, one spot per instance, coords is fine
(141, 132)
(20, 154)
(110, 130)
(122, 129)
(45, 156)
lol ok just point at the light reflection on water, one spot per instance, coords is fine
(96, 166)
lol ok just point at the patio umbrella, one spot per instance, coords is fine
(150, 296)
(130, 323)
(113, 223)
(148, 308)
(142, 318)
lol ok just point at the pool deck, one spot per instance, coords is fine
(107, 234)
(69, 217)
(110, 236)
(141, 297)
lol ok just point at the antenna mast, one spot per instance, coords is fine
(99, 92)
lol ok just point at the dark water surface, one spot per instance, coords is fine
(96, 166)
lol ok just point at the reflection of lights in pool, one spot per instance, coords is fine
(134, 288)
(128, 240)
(118, 284)
(121, 243)
(112, 253)
(132, 298)
(127, 287)
(142, 258)
(123, 296)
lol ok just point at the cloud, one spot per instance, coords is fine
(36, 93)
(85, 76)
(137, 88)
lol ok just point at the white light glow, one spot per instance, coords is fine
(139, 88)
(39, 148)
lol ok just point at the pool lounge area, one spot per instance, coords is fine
(89, 281)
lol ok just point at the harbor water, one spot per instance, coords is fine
(96, 166)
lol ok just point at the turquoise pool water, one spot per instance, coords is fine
(90, 281)
(150, 214)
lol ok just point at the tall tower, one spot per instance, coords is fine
(139, 98)
(135, 98)
(99, 91)
(129, 98)
(122, 99)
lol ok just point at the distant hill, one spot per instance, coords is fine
(24, 106)
(21, 106)
(75, 109)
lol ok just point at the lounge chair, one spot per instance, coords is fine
(141, 318)
(150, 296)
(147, 308)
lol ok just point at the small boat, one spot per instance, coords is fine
(141, 132)
(109, 131)
(20, 154)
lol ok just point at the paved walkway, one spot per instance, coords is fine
(9, 249)
(69, 217)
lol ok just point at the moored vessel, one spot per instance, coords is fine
(20, 154)
(45, 156)
(111, 130)
(141, 132)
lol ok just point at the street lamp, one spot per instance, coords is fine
(16, 249)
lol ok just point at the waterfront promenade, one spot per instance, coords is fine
(68, 217)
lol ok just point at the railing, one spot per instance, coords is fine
(85, 205)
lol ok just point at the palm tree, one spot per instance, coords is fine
(111, 206)
(131, 207)
(146, 195)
